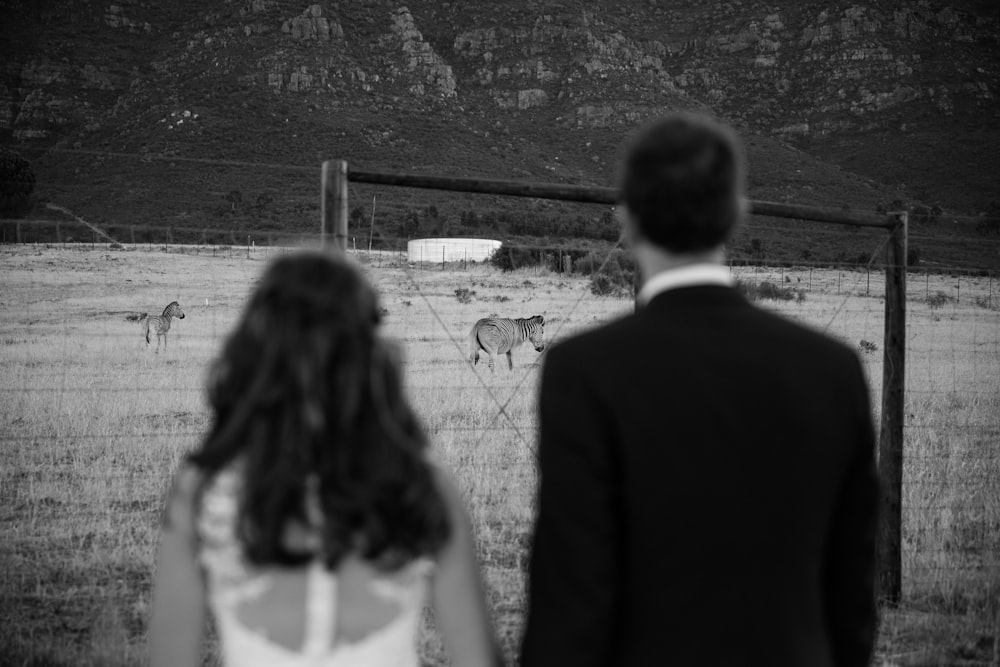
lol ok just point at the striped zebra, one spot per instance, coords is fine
(160, 324)
(500, 335)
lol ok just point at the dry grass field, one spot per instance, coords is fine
(93, 424)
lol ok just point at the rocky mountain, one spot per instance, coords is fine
(842, 103)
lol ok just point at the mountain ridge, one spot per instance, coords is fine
(840, 104)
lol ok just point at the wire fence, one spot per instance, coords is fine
(93, 421)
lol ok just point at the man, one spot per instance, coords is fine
(708, 487)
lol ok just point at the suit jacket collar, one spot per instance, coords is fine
(685, 276)
(695, 298)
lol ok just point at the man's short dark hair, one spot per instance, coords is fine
(683, 183)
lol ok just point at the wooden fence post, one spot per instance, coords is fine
(890, 448)
(333, 205)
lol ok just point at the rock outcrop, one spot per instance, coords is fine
(433, 74)
(833, 71)
(311, 24)
(115, 17)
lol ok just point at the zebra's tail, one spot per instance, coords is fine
(474, 345)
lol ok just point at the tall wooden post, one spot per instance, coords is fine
(333, 206)
(890, 450)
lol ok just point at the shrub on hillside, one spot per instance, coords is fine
(17, 182)
(989, 227)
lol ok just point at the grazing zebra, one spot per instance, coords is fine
(500, 335)
(160, 325)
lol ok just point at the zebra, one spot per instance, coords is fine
(500, 335)
(160, 325)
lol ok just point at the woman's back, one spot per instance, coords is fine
(308, 615)
(314, 459)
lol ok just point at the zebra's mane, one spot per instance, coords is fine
(169, 306)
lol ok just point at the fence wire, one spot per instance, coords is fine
(93, 421)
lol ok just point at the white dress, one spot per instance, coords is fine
(289, 617)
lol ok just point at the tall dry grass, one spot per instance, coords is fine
(92, 425)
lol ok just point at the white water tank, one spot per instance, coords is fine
(421, 251)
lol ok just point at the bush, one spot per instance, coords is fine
(986, 302)
(602, 284)
(464, 295)
(938, 299)
(769, 291)
(509, 258)
(611, 273)
(867, 346)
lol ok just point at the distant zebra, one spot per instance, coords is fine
(500, 335)
(160, 324)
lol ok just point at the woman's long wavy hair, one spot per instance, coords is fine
(306, 393)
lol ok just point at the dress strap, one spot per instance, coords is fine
(321, 612)
(321, 585)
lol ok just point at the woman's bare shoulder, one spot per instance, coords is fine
(444, 482)
(179, 510)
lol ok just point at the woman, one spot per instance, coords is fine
(309, 520)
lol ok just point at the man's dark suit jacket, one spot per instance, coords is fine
(708, 493)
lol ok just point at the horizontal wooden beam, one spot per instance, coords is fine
(578, 193)
(834, 216)
(603, 195)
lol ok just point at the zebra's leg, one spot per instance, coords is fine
(491, 363)
(510, 360)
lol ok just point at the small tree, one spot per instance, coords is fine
(411, 224)
(234, 197)
(357, 216)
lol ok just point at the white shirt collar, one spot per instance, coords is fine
(685, 276)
